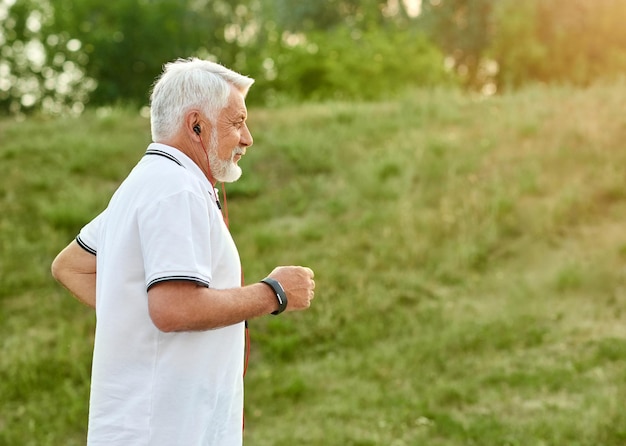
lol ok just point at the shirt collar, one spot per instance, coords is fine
(181, 159)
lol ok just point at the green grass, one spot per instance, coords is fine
(469, 256)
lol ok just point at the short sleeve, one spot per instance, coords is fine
(87, 238)
(175, 239)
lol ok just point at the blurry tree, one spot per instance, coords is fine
(574, 41)
(463, 30)
(320, 49)
(322, 15)
(64, 53)
(344, 63)
(59, 54)
(39, 69)
(344, 49)
(127, 41)
(513, 42)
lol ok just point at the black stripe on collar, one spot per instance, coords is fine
(163, 154)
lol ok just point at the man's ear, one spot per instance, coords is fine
(194, 124)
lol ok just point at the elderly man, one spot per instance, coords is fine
(163, 273)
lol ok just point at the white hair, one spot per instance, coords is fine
(186, 84)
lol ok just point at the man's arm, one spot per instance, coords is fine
(75, 269)
(186, 306)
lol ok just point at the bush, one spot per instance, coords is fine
(351, 64)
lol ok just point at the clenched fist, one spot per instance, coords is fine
(298, 283)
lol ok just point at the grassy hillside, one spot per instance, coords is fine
(469, 254)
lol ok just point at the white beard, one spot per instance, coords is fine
(226, 171)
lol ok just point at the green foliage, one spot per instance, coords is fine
(462, 29)
(39, 69)
(60, 55)
(572, 41)
(127, 42)
(347, 63)
(115, 50)
(560, 41)
(325, 15)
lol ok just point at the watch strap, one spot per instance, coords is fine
(279, 291)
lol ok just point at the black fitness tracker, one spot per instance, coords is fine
(281, 296)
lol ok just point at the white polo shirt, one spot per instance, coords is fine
(148, 387)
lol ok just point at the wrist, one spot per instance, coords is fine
(279, 292)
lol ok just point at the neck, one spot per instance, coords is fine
(196, 152)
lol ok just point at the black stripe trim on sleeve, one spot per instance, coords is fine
(83, 245)
(200, 282)
(163, 154)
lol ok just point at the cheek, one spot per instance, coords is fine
(234, 138)
(227, 145)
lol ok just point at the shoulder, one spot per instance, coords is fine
(159, 177)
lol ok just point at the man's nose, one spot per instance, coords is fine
(246, 137)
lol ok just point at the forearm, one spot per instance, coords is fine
(81, 285)
(75, 269)
(184, 306)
